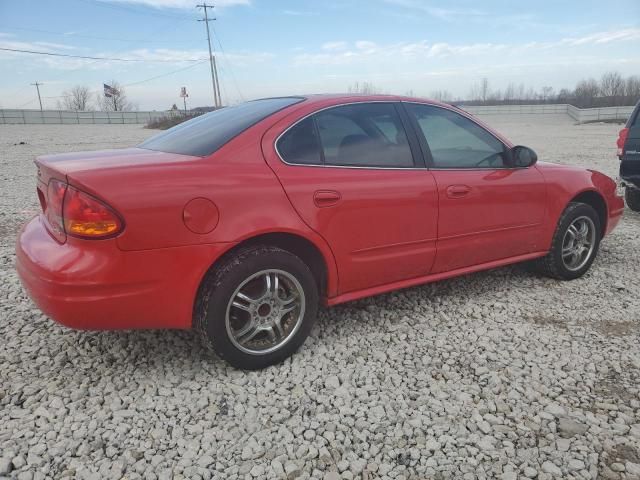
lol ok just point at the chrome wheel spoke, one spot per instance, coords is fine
(272, 334)
(277, 324)
(584, 229)
(243, 302)
(247, 333)
(288, 308)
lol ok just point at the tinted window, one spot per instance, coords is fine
(203, 135)
(455, 141)
(300, 144)
(363, 135)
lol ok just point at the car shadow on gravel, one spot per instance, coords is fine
(147, 351)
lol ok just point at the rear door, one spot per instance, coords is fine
(488, 211)
(353, 174)
(630, 159)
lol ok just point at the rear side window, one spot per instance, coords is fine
(204, 135)
(455, 141)
(300, 144)
(362, 135)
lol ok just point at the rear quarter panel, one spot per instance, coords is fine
(249, 198)
(564, 183)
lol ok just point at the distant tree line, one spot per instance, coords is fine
(610, 91)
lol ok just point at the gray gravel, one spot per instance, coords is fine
(497, 375)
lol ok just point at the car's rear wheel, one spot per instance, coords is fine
(257, 307)
(632, 197)
(575, 244)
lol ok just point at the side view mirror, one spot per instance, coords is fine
(522, 157)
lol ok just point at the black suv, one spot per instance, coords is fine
(629, 154)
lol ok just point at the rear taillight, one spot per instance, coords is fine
(87, 217)
(70, 211)
(622, 138)
(53, 209)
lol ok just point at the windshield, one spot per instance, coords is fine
(204, 135)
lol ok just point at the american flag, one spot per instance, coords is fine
(109, 91)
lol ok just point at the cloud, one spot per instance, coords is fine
(334, 46)
(299, 13)
(167, 56)
(605, 37)
(438, 12)
(184, 4)
(343, 53)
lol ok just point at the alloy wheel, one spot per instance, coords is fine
(265, 311)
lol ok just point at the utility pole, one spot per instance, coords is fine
(217, 99)
(38, 88)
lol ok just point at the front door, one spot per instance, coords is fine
(488, 211)
(350, 173)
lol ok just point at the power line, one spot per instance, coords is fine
(228, 62)
(166, 74)
(79, 35)
(114, 6)
(143, 81)
(98, 58)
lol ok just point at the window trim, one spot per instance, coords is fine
(426, 150)
(416, 153)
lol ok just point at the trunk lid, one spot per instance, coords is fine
(96, 172)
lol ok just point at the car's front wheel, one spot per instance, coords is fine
(257, 307)
(632, 197)
(575, 243)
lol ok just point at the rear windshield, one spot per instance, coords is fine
(204, 135)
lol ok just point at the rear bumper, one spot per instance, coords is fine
(95, 285)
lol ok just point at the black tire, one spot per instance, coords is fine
(553, 265)
(221, 282)
(632, 197)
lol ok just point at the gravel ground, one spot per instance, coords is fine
(496, 375)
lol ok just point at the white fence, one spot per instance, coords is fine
(580, 115)
(74, 118)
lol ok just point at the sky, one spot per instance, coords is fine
(272, 47)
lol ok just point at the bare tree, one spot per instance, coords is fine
(77, 99)
(612, 85)
(484, 89)
(366, 88)
(441, 95)
(510, 93)
(586, 92)
(547, 93)
(632, 90)
(117, 102)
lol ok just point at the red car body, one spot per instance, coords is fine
(365, 230)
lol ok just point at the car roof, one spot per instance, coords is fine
(338, 98)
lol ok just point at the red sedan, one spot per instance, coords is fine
(240, 222)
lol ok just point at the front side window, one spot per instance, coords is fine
(455, 141)
(363, 135)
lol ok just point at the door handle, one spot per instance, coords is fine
(326, 198)
(458, 191)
